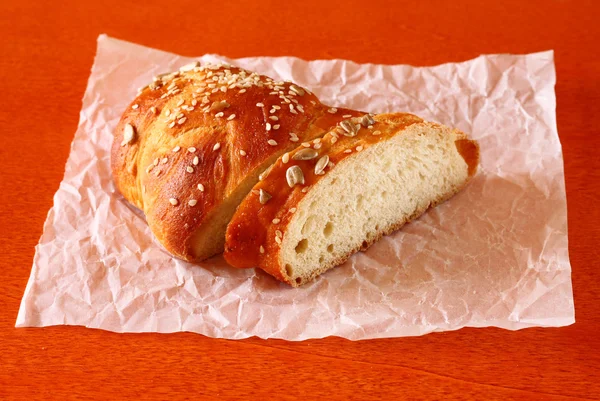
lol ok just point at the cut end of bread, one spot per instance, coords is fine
(373, 193)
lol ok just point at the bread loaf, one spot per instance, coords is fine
(192, 144)
(336, 195)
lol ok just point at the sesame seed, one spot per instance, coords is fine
(242, 91)
(172, 124)
(285, 158)
(194, 102)
(164, 160)
(201, 187)
(277, 107)
(276, 126)
(276, 221)
(274, 118)
(156, 161)
(306, 144)
(318, 140)
(294, 139)
(149, 168)
(174, 201)
(268, 126)
(192, 202)
(333, 139)
(181, 120)
(217, 146)
(189, 169)
(359, 148)
(135, 106)
(179, 103)
(242, 152)
(332, 110)
(261, 249)
(153, 110)
(231, 117)
(278, 240)
(272, 142)
(313, 102)
(176, 149)
(195, 161)
(278, 233)
(347, 116)
(260, 105)
(191, 150)
(304, 190)
(219, 114)
(293, 210)
(317, 146)
(376, 132)
(348, 151)
(273, 111)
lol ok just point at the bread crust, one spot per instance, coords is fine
(252, 226)
(225, 155)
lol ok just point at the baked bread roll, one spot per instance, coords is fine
(336, 195)
(192, 144)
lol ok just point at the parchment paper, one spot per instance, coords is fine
(494, 255)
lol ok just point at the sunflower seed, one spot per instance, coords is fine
(189, 67)
(263, 196)
(321, 164)
(367, 120)
(294, 175)
(305, 154)
(265, 173)
(219, 106)
(348, 127)
(128, 134)
(297, 89)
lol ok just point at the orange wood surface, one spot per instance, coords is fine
(46, 52)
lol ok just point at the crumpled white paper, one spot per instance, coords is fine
(494, 255)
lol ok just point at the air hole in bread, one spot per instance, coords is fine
(288, 270)
(365, 244)
(360, 201)
(309, 225)
(330, 248)
(321, 259)
(302, 246)
(298, 280)
(328, 229)
(384, 194)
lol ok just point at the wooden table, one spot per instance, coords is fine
(45, 58)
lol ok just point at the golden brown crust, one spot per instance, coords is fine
(256, 225)
(180, 141)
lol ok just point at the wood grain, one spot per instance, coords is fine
(45, 58)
